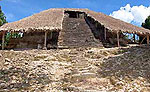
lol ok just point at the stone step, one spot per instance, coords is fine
(77, 33)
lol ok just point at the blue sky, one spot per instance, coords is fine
(18, 9)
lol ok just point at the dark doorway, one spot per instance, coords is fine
(52, 40)
(75, 14)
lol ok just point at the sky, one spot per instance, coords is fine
(131, 11)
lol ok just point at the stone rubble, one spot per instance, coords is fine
(76, 70)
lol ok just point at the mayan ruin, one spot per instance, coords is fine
(74, 46)
(67, 28)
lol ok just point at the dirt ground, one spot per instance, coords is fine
(76, 70)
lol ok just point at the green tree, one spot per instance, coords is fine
(2, 17)
(146, 24)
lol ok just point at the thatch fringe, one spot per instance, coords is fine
(27, 30)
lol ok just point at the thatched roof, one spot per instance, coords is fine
(52, 19)
(117, 25)
(46, 20)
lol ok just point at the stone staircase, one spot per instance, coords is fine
(77, 33)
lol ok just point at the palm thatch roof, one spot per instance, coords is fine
(116, 25)
(52, 20)
(46, 20)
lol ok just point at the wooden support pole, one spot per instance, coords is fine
(142, 40)
(77, 15)
(134, 37)
(147, 39)
(3, 41)
(45, 41)
(51, 35)
(105, 33)
(118, 42)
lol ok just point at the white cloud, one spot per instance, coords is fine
(136, 14)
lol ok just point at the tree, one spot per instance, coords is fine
(146, 24)
(2, 17)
